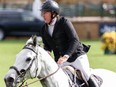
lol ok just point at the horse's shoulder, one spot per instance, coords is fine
(41, 49)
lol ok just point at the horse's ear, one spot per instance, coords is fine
(30, 40)
(34, 40)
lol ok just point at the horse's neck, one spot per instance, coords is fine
(47, 62)
(49, 66)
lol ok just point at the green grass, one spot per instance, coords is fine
(9, 49)
(97, 58)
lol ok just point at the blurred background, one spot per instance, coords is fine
(91, 18)
(94, 21)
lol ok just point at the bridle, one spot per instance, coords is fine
(23, 73)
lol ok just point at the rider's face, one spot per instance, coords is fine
(47, 16)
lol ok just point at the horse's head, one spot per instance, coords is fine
(26, 65)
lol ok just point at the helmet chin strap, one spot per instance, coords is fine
(52, 17)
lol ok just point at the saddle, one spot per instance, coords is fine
(78, 75)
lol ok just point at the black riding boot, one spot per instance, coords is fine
(92, 82)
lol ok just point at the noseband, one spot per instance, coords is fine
(15, 68)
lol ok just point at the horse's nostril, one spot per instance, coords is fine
(10, 79)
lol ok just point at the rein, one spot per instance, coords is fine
(42, 78)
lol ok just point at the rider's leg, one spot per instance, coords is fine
(82, 64)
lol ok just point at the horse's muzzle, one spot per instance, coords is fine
(9, 81)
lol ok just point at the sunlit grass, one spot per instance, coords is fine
(98, 59)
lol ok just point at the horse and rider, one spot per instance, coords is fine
(59, 36)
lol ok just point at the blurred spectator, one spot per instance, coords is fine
(109, 42)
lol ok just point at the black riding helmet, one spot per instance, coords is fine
(51, 6)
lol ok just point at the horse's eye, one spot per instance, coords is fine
(28, 59)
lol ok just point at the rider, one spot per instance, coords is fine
(59, 36)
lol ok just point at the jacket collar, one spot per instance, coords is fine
(53, 22)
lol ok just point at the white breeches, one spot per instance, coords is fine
(82, 64)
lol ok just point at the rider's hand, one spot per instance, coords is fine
(49, 53)
(63, 59)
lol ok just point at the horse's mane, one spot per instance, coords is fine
(45, 55)
(33, 40)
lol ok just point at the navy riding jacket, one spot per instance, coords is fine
(64, 40)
